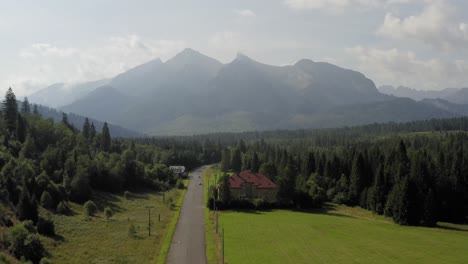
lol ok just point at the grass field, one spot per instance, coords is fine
(337, 234)
(97, 240)
(212, 239)
(334, 234)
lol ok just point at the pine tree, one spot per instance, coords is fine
(356, 179)
(236, 161)
(105, 138)
(92, 131)
(378, 192)
(25, 107)
(225, 160)
(86, 129)
(35, 110)
(20, 128)
(255, 163)
(10, 110)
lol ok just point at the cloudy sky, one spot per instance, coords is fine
(417, 43)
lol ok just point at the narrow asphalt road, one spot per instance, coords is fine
(188, 243)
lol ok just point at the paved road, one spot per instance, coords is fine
(188, 244)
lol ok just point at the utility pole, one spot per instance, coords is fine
(149, 219)
(222, 244)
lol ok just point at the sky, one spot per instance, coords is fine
(422, 44)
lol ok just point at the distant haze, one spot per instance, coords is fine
(414, 43)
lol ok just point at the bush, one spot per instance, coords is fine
(46, 200)
(29, 225)
(90, 208)
(131, 230)
(24, 244)
(180, 184)
(62, 208)
(45, 261)
(108, 212)
(45, 227)
(127, 195)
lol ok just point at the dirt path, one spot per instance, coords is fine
(188, 244)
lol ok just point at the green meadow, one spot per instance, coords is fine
(337, 234)
(334, 234)
(95, 239)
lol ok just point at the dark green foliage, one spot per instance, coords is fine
(23, 243)
(108, 212)
(236, 160)
(10, 111)
(25, 106)
(105, 138)
(90, 208)
(62, 208)
(46, 200)
(86, 129)
(45, 226)
(27, 207)
(225, 192)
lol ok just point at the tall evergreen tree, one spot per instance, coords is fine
(86, 128)
(236, 160)
(105, 138)
(255, 163)
(35, 109)
(20, 128)
(25, 107)
(356, 179)
(92, 131)
(10, 110)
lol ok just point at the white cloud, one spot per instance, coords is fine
(340, 5)
(42, 64)
(435, 25)
(245, 13)
(392, 66)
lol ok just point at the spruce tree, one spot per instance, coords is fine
(25, 107)
(10, 110)
(20, 128)
(356, 179)
(255, 163)
(105, 138)
(35, 109)
(236, 161)
(92, 131)
(86, 129)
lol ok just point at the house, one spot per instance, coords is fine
(179, 170)
(250, 185)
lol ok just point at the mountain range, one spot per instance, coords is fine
(453, 95)
(193, 93)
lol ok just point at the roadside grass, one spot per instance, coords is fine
(172, 226)
(82, 239)
(213, 248)
(337, 234)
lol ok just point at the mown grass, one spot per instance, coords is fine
(337, 234)
(212, 239)
(82, 239)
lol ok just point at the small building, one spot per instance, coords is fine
(250, 185)
(179, 170)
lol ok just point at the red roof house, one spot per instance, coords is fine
(250, 185)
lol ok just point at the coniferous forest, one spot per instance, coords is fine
(416, 173)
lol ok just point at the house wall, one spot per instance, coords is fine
(244, 192)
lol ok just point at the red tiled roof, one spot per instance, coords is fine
(260, 181)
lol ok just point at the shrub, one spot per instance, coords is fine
(46, 200)
(45, 261)
(29, 225)
(108, 212)
(24, 244)
(90, 208)
(45, 227)
(131, 230)
(127, 195)
(180, 184)
(62, 208)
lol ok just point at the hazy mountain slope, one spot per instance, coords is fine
(104, 103)
(192, 93)
(415, 94)
(78, 121)
(60, 94)
(458, 97)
